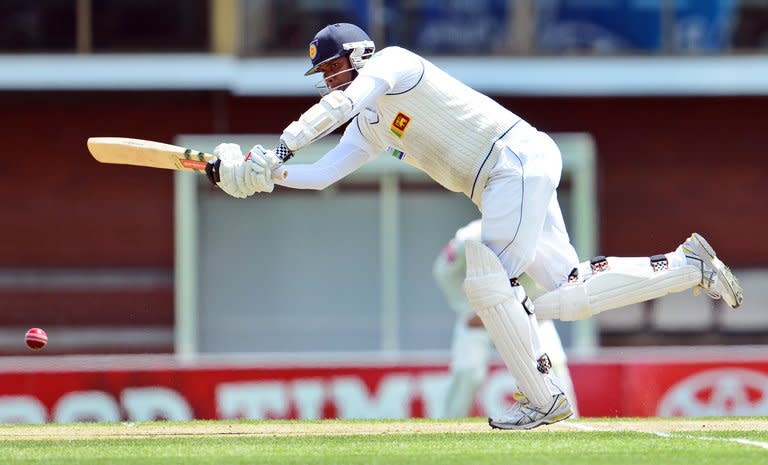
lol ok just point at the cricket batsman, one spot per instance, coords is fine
(399, 103)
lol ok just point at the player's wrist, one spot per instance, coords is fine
(283, 152)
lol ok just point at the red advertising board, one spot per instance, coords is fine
(66, 389)
(677, 381)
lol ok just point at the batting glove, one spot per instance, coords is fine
(260, 163)
(231, 170)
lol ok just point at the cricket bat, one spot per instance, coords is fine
(140, 152)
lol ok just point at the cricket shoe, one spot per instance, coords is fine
(524, 415)
(717, 280)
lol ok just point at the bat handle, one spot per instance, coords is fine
(212, 171)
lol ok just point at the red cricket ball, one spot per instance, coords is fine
(36, 338)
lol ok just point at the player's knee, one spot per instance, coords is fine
(488, 291)
(486, 284)
(516, 261)
(574, 302)
(569, 302)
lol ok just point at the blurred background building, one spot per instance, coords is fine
(668, 96)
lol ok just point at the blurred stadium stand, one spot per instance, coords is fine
(673, 92)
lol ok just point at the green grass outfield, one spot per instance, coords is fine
(621, 441)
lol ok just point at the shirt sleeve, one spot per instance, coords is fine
(347, 156)
(396, 66)
(391, 70)
(364, 91)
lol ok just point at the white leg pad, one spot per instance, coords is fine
(613, 289)
(491, 296)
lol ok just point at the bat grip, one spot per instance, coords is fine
(212, 171)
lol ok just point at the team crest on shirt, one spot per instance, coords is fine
(400, 124)
(312, 51)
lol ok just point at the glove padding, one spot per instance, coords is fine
(242, 176)
(263, 162)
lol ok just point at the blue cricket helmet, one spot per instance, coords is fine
(340, 39)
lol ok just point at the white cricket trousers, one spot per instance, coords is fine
(521, 218)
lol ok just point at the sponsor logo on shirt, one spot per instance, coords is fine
(399, 154)
(400, 124)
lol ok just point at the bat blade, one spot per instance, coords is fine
(140, 152)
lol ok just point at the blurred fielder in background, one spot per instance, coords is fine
(402, 104)
(471, 345)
